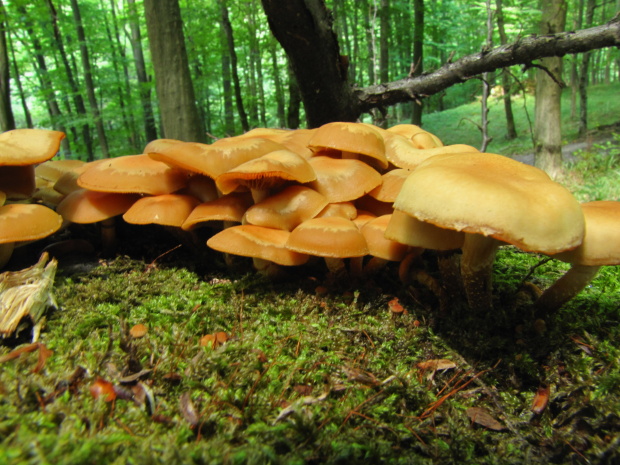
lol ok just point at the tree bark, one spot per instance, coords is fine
(7, 121)
(88, 79)
(548, 120)
(511, 130)
(144, 82)
(304, 29)
(175, 91)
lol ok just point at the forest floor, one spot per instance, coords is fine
(314, 368)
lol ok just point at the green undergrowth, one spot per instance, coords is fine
(314, 371)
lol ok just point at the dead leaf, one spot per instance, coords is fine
(104, 389)
(17, 352)
(138, 330)
(437, 364)
(188, 410)
(541, 399)
(44, 354)
(482, 417)
(214, 340)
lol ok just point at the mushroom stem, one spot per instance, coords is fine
(449, 264)
(565, 288)
(6, 250)
(374, 265)
(477, 271)
(108, 237)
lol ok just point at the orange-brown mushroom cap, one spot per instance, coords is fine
(165, 209)
(27, 222)
(334, 237)
(343, 180)
(20, 147)
(85, 207)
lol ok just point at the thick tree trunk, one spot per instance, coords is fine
(547, 126)
(88, 79)
(294, 100)
(177, 102)
(144, 83)
(7, 121)
(313, 46)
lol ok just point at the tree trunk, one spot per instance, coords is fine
(326, 95)
(583, 76)
(7, 121)
(227, 87)
(294, 100)
(511, 130)
(486, 84)
(175, 91)
(418, 56)
(227, 27)
(20, 89)
(277, 84)
(574, 72)
(88, 79)
(547, 126)
(144, 83)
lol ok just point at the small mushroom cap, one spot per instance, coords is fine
(85, 207)
(52, 170)
(391, 183)
(27, 222)
(403, 153)
(342, 180)
(343, 209)
(378, 244)
(286, 209)
(333, 236)
(494, 196)
(165, 209)
(20, 147)
(158, 145)
(601, 243)
(249, 240)
(230, 207)
(408, 230)
(217, 158)
(132, 174)
(267, 171)
(354, 138)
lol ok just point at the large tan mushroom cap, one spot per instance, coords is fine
(351, 139)
(601, 243)
(85, 207)
(160, 145)
(343, 180)
(494, 196)
(217, 158)
(334, 237)
(286, 209)
(132, 174)
(408, 230)
(266, 172)
(27, 222)
(21, 147)
(257, 242)
(165, 209)
(378, 244)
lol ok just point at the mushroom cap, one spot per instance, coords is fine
(391, 183)
(158, 145)
(343, 209)
(132, 174)
(342, 180)
(286, 209)
(85, 207)
(378, 244)
(217, 158)
(249, 240)
(408, 230)
(230, 207)
(165, 209)
(355, 138)
(601, 243)
(52, 170)
(494, 196)
(267, 171)
(333, 236)
(20, 147)
(403, 153)
(27, 222)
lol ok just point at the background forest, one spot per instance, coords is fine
(84, 67)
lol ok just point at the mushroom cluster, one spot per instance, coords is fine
(353, 194)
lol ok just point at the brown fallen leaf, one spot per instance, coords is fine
(482, 417)
(44, 354)
(138, 330)
(104, 389)
(541, 399)
(188, 410)
(17, 352)
(437, 364)
(214, 340)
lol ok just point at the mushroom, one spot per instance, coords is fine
(165, 210)
(266, 246)
(342, 180)
(132, 174)
(494, 200)
(229, 208)
(22, 223)
(600, 247)
(381, 248)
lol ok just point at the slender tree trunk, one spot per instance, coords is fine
(233, 64)
(418, 56)
(294, 100)
(227, 87)
(574, 71)
(277, 83)
(144, 83)
(548, 121)
(7, 121)
(583, 76)
(20, 89)
(88, 79)
(486, 84)
(511, 130)
(177, 102)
